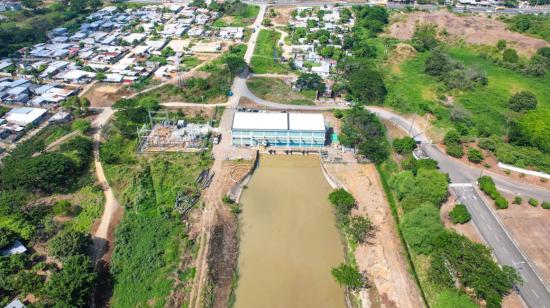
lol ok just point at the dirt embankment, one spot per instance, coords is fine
(217, 259)
(383, 257)
(473, 29)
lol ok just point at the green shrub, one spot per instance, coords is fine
(518, 199)
(343, 202)
(81, 125)
(404, 145)
(235, 208)
(487, 185)
(62, 207)
(360, 228)
(348, 276)
(227, 200)
(545, 205)
(6, 237)
(510, 55)
(460, 214)
(451, 137)
(501, 202)
(475, 155)
(69, 243)
(421, 227)
(455, 150)
(533, 202)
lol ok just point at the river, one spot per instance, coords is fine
(289, 240)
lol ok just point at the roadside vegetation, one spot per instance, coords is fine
(152, 235)
(487, 94)
(48, 202)
(459, 214)
(443, 260)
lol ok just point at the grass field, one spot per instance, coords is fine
(410, 90)
(89, 201)
(276, 90)
(266, 52)
(190, 62)
(150, 237)
(239, 20)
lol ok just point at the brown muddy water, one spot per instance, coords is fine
(289, 240)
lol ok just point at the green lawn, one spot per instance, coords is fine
(276, 90)
(239, 20)
(265, 54)
(410, 90)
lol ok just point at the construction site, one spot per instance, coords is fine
(166, 134)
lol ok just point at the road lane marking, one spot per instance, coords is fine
(490, 228)
(506, 251)
(497, 237)
(461, 185)
(535, 293)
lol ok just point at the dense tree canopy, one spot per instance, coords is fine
(404, 145)
(71, 286)
(48, 172)
(69, 243)
(310, 81)
(362, 129)
(532, 129)
(421, 227)
(367, 86)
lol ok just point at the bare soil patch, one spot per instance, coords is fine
(473, 29)
(383, 258)
(105, 95)
(283, 14)
(401, 53)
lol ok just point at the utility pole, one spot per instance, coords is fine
(412, 123)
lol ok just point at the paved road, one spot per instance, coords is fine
(533, 291)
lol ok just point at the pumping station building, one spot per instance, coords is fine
(278, 129)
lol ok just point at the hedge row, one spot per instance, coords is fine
(487, 184)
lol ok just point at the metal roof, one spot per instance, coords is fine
(279, 121)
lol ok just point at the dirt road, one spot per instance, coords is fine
(101, 235)
(383, 258)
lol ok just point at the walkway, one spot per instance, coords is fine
(101, 235)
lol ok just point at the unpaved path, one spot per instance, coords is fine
(473, 29)
(383, 258)
(101, 235)
(61, 140)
